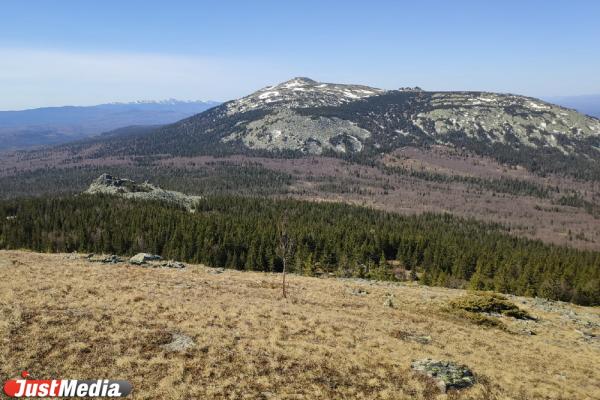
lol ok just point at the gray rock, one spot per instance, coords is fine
(72, 256)
(179, 342)
(422, 339)
(446, 374)
(412, 337)
(142, 258)
(217, 270)
(389, 302)
(173, 264)
(358, 292)
(112, 259)
(526, 332)
(589, 337)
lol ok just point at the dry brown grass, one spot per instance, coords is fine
(68, 318)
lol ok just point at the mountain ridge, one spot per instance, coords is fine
(305, 117)
(56, 125)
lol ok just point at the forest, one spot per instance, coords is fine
(503, 184)
(215, 178)
(328, 239)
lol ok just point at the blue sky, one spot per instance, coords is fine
(83, 52)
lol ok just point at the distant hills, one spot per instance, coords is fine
(56, 125)
(588, 104)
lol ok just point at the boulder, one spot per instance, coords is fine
(173, 264)
(357, 291)
(389, 301)
(446, 374)
(179, 343)
(112, 259)
(409, 336)
(143, 258)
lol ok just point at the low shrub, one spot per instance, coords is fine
(490, 303)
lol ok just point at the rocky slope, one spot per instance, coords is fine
(489, 117)
(107, 184)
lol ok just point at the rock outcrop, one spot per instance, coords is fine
(108, 184)
(143, 258)
(446, 374)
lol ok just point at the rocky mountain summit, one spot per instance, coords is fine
(301, 93)
(304, 116)
(313, 117)
(107, 184)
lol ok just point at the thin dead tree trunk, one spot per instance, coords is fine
(284, 265)
(285, 248)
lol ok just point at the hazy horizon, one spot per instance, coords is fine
(561, 100)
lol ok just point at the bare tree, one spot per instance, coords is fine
(286, 247)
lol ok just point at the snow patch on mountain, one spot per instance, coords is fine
(302, 93)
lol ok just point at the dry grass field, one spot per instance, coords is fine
(62, 316)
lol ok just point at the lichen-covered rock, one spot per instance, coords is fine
(173, 264)
(446, 374)
(357, 291)
(412, 337)
(142, 258)
(112, 259)
(179, 343)
(389, 301)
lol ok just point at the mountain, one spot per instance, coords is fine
(302, 116)
(587, 104)
(53, 125)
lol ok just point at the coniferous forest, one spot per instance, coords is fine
(343, 240)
